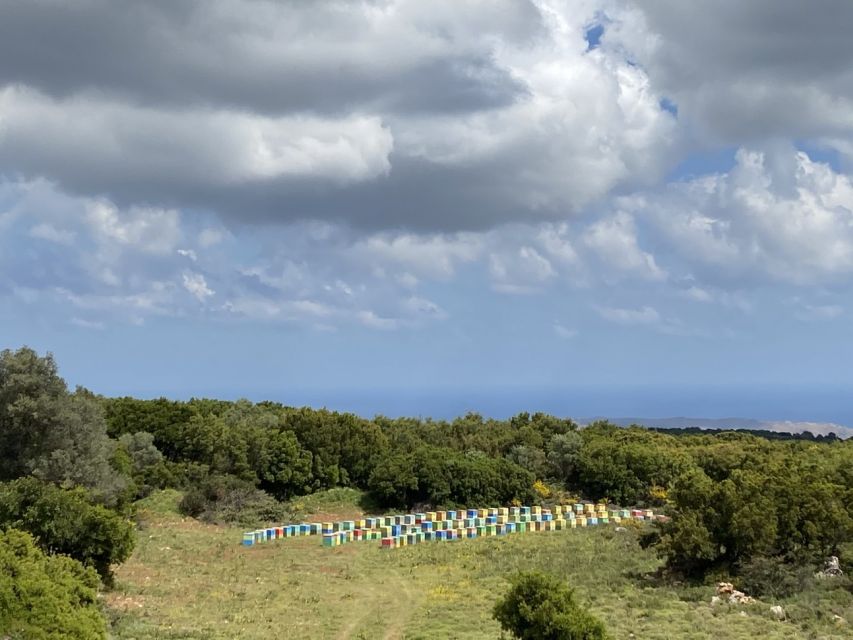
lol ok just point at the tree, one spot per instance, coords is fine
(53, 434)
(66, 522)
(563, 452)
(541, 607)
(46, 597)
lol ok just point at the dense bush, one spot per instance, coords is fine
(66, 522)
(227, 499)
(443, 477)
(773, 577)
(48, 432)
(45, 597)
(779, 509)
(541, 607)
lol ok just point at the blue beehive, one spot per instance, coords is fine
(451, 515)
(249, 538)
(441, 535)
(426, 526)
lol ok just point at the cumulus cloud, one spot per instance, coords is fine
(743, 71)
(463, 116)
(197, 285)
(614, 242)
(777, 215)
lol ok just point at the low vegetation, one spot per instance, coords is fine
(761, 512)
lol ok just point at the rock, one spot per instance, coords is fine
(620, 529)
(716, 600)
(743, 614)
(778, 612)
(838, 620)
(832, 567)
(725, 588)
(733, 595)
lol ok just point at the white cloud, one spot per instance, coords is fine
(431, 255)
(522, 271)
(87, 324)
(145, 229)
(563, 331)
(197, 285)
(188, 253)
(614, 243)
(643, 316)
(210, 237)
(46, 231)
(777, 216)
(201, 148)
(370, 319)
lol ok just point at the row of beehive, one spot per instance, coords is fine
(450, 525)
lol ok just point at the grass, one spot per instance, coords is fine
(190, 580)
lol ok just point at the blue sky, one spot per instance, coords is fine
(591, 207)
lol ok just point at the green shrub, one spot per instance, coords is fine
(45, 597)
(226, 499)
(773, 577)
(66, 522)
(541, 607)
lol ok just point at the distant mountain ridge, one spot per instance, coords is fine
(781, 426)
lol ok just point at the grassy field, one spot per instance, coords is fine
(190, 580)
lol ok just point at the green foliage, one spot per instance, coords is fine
(55, 435)
(45, 597)
(782, 509)
(227, 499)
(66, 522)
(443, 477)
(773, 577)
(541, 607)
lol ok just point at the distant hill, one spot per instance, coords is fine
(726, 424)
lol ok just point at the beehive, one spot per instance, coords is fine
(249, 539)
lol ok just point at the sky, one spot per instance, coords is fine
(590, 207)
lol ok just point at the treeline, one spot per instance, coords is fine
(72, 464)
(759, 433)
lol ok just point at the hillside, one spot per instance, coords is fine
(190, 580)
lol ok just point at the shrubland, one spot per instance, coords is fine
(762, 511)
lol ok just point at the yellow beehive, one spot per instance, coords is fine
(361, 524)
(503, 519)
(431, 516)
(573, 523)
(557, 510)
(581, 520)
(589, 508)
(536, 510)
(503, 511)
(440, 516)
(601, 508)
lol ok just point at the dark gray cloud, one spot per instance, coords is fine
(751, 70)
(433, 116)
(265, 57)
